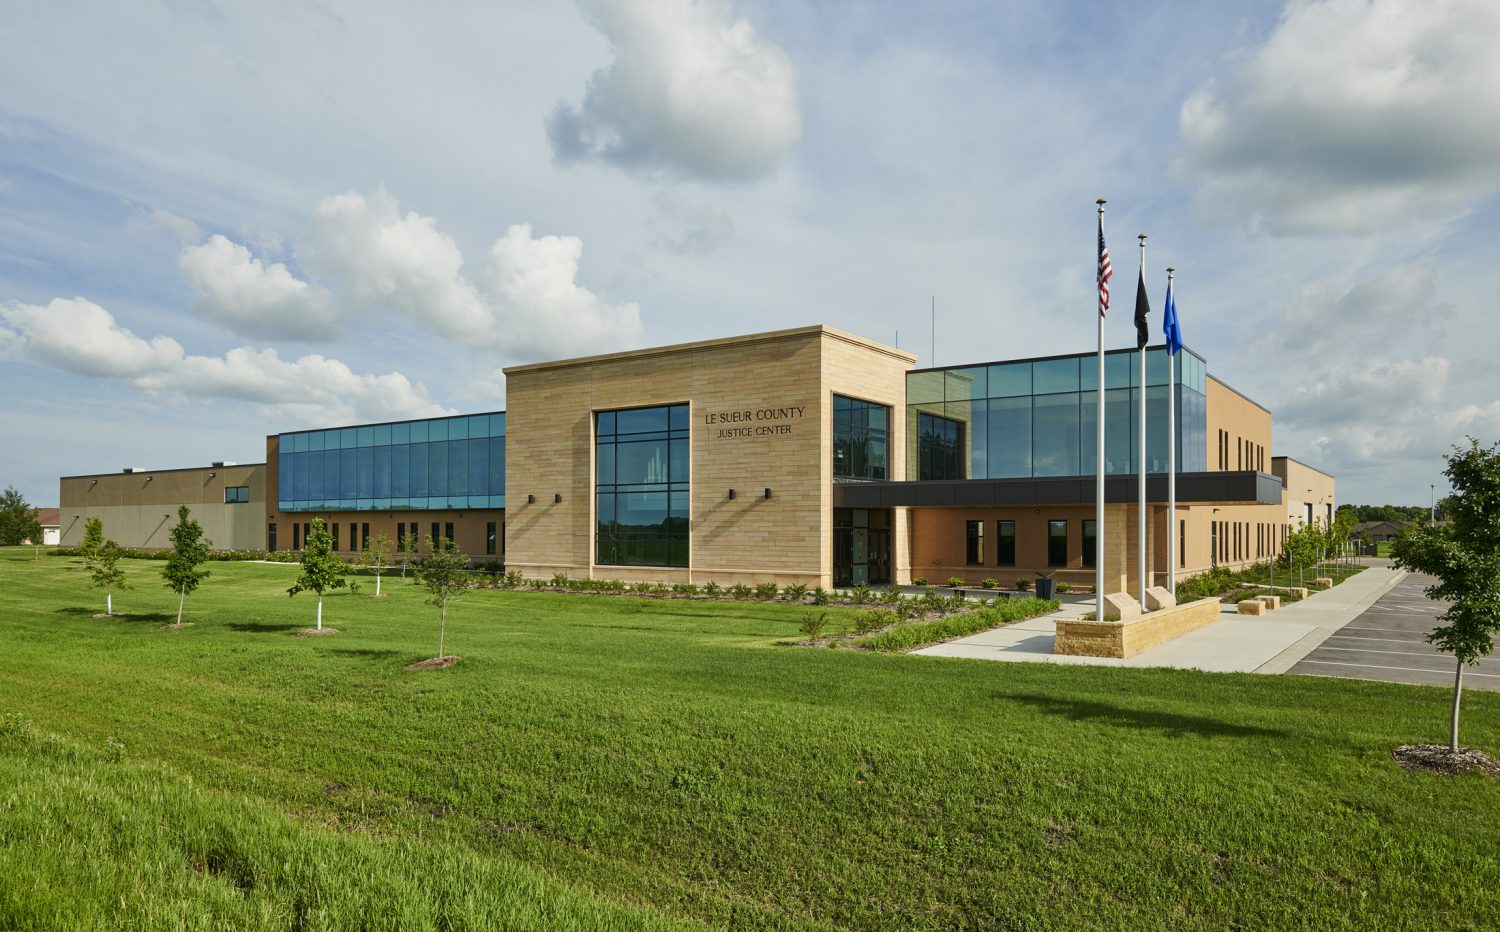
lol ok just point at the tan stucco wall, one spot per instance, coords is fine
(1305, 486)
(786, 538)
(1245, 422)
(139, 509)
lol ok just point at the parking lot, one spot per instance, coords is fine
(1387, 642)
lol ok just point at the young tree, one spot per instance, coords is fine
(377, 556)
(1464, 555)
(321, 570)
(189, 550)
(408, 550)
(445, 573)
(107, 575)
(93, 539)
(18, 520)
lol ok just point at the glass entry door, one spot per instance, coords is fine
(861, 546)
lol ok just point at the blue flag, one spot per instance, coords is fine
(1169, 323)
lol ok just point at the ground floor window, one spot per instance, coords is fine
(436, 535)
(1057, 543)
(974, 543)
(1005, 543)
(296, 536)
(271, 536)
(641, 469)
(1182, 543)
(489, 538)
(1090, 542)
(333, 528)
(861, 546)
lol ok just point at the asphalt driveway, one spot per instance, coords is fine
(1386, 642)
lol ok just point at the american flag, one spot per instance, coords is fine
(1105, 271)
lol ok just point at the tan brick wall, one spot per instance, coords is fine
(786, 538)
(139, 509)
(1305, 486)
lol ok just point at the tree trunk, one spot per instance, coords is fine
(109, 603)
(377, 585)
(320, 611)
(442, 625)
(181, 597)
(1458, 688)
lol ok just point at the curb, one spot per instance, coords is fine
(1313, 639)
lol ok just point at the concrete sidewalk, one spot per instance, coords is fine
(1268, 643)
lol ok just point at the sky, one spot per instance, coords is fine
(221, 221)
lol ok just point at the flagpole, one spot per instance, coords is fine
(1141, 508)
(1099, 450)
(1171, 447)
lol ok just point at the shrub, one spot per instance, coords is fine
(991, 584)
(933, 602)
(684, 589)
(872, 621)
(821, 596)
(795, 592)
(890, 595)
(813, 624)
(907, 637)
(919, 580)
(559, 581)
(862, 594)
(740, 591)
(955, 582)
(713, 590)
(511, 579)
(766, 591)
(1064, 587)
(1023, 585)
(537, 583)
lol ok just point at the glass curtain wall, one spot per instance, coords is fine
(861, 439)
(641, 486)
(1038, 418)
(453, 462)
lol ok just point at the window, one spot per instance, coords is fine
(296, 536)
(364, 537)
(940, 448)
(1213, 542)
(642, 464)
(1182, 543)
(236, 494)
(1057, 543)
(489, 538)
(306, 532)
(353, 534)
(974, 543)
(271, 536)
(1090, 542)
(333, 528)
(436, 536)
(861, 437)
(1005, 543)
(401, 537)
(861, 546)
(447, 531)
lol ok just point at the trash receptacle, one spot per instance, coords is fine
(1046, 586)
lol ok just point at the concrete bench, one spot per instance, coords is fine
(1297, 591)
(1271, 602)
(1323, 582)
(1121, 639)
(1252, 607)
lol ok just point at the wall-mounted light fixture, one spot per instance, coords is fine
(557, 498)
(93, 482)
(731, 495)
(212, 474)
(768, 493)
(531, 499)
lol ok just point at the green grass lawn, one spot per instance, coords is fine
(601, 761)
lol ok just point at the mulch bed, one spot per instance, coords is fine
(1437, 759)
(182, 624)
(435, 663)
(315, 632)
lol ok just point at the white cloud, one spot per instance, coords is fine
(527, 302)
(236, 289)
(82, 337)
(692, 90)
(181, 227)
(691, 230)
(1353, 116)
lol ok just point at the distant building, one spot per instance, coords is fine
(51, 529)
(1380, 531)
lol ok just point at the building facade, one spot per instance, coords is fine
(806, 455)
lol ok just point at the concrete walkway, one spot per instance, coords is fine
(1269, 643)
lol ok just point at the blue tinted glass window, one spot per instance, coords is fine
(348, 438)
(1054, 433)
(364, 465)
(400, 433)
(458, 467)
(1009, 455)
(1010, 379)
(418, 466)
(419, 431)
(964, 384)
(437, 469)
(458, 428)
(479, 467)
(315, 441)
(382, 472)
(1055, 375)
(641, 470)
(382, 435)
(437, 430)
(860, 438)
(365, 436)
